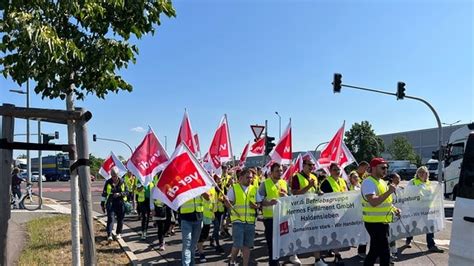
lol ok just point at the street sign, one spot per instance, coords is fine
(257, 130)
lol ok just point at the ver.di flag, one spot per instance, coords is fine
(110, 162)
(220, 150)
(282, 151)
(182, 179)
(332, 151)
(148, 159)
(258, 147)
(186, 135)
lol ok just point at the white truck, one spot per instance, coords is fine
(452, 162)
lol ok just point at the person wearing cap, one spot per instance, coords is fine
(334, 183)
(243, 195)
(114, 196)
(306, 182)
(377, 211)
(421, 180)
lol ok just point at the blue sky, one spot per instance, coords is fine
(249, 59)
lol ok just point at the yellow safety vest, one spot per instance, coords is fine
(109, 191)
(417, 182)
(192, 205)
(129, 182)
(337, 186)
(383, 212)
(242, 204)
(304, 182)
(208, 205)
(272, 191)
(256, 180)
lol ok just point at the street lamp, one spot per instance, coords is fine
(95, 138)
(279, 123)
(28, 159)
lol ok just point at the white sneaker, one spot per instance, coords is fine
(118, 236)
(320, 263)
(143, 235)
(295, 260)
(109, 238)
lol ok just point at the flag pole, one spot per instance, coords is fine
(230, 143)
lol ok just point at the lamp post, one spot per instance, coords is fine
(279, 124)
(28, 158)
(95, 138)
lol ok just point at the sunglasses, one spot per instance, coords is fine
(384, 167)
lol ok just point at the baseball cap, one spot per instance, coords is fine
(377, 161)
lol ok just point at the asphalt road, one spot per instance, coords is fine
(416, 255)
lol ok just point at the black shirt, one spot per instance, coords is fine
(326, 187)
(115, 189)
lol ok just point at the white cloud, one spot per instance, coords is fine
(138, 129)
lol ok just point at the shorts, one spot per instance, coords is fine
(243, 234)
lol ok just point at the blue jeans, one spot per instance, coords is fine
(112, 210)
(191, 231)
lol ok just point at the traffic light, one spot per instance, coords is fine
(269, 144)
(48, 137)
(336, 83)
(400, 90)
(94, 138)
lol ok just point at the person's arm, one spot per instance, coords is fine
(305, 189)
(104, 197)
(375, 200)
(205, 195)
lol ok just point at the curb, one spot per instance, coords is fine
(58, 208)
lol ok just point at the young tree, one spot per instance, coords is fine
(74, 46)
(401, 149)
(362, 142)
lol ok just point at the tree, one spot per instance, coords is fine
(362, 142)
(74, 46)
(96, 163)
(401, 149)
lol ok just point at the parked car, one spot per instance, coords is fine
(462, 240)
(35, 177)
(405, 173)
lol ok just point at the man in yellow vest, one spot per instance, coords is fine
(218, 213)
(332, 184)
(306, 182)
(268, 194)
(421, 180)
(130, 181)
(143, 205)
(191, 215)
(243, 195)
(114, 195)
(378, 211)
(209, 207)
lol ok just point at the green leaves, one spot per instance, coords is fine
(80, 42)
(362, 142)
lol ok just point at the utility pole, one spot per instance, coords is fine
(28, 156)
(6, 158)
(40, 164)
(75, 235)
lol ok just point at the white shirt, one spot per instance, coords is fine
(368, 188)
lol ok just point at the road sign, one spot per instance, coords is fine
(257, 130)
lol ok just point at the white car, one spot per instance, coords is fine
(462, 233)
(35, 177)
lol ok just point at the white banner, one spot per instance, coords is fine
(307, 223)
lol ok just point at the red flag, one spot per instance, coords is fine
(243, 157)
(346, 157)
(148, 159)
(185, 134)
(258, 147)
(332, 151)
(294, 168)
(196, 141)
(282, 151)
(220, 150)
(110, 162)
(182, 179)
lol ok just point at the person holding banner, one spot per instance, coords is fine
(114, 196)
(377, 211)
(243, 195)
(421, 180)
(334, 183)
(268, 194)
(306, 182)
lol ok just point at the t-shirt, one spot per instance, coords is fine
(368, 187)
(326, 187)
(231, 194)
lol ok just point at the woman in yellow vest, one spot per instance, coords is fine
(421, 180)
(377, 211)
(209, 207)
(243, 215)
